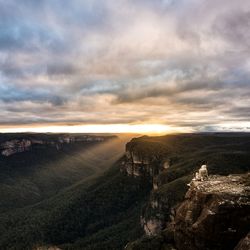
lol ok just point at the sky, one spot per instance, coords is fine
(124, 65)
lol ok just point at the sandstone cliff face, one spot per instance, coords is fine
(11, 147)
(244, 244)
(15, 146)
(214, 215)
(151, 161)
(204, 216)
(160, 210)
(153, 218)
(152, 226)
(145, 159)
(137, 164)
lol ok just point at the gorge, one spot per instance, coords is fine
(143, 200)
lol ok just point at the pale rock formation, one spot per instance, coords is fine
(244, 244)
(15, 146)
(152, 226)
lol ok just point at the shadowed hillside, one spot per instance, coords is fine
(45, 169)
(131, 203)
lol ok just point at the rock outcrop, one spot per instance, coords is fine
(151, 161)
(145, 158)
(153, 226)
(15, 146)
(137, 164)
(244, 244)
(215, 214)
(208, 215)
(160, 209)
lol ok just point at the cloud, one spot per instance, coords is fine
(123, 61)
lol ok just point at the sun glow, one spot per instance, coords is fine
(98, 128)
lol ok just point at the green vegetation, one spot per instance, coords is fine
(111, 202)
(223, 153)
(32, 176)
(79, 211)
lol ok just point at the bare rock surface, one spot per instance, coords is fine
(215, 214)
(244, 244)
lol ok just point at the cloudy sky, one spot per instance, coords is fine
(174, 65)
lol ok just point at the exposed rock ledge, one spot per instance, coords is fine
(215, 214)
(244, 244)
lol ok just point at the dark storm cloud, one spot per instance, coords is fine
(125, 62)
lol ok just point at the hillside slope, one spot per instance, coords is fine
(133, 203)
(52, 162)
(101, 214)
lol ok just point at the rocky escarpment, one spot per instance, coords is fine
(152, 161)
(10, 147)
(146, 159)
(160, 210)
(149, 165)
(244, 244)
(15, 146)
(170, 163)
(215, 214)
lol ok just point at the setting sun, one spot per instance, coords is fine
(149, 129)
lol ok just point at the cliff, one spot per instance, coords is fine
(20, 144)
(144, 158)
(170, 163)
(15, 146)
(244, 244)
(215, 213)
